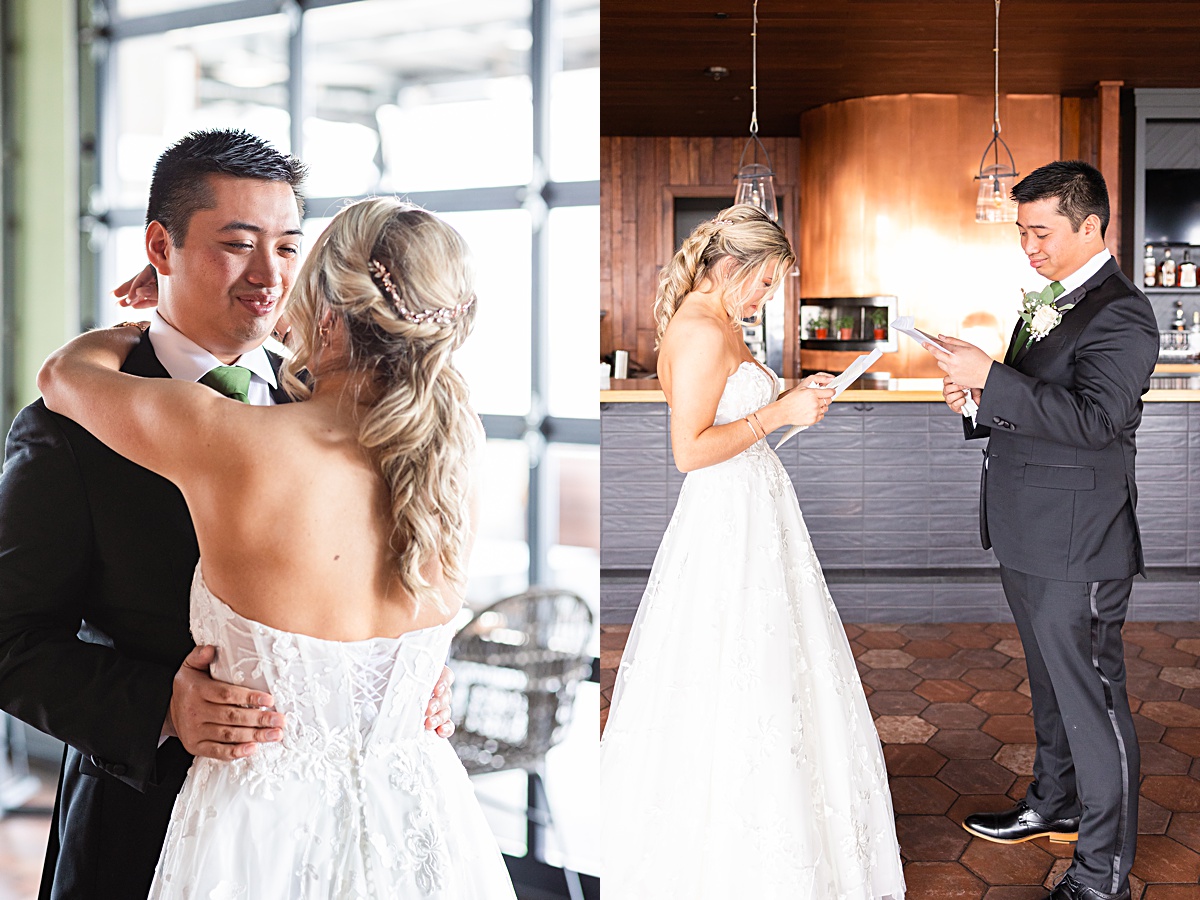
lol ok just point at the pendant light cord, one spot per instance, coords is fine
(754, 71)
(996, 85)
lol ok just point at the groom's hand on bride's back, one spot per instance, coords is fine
(218, 720)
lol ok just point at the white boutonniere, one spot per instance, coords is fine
(1040, 314)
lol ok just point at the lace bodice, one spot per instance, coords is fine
(339, 698)
(747, 390)
(357, 802)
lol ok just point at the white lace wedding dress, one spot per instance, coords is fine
(740, 758)
(357, 801)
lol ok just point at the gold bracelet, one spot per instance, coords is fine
(760, 424)
(752, 431)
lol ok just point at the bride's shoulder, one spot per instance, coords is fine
(693, 334)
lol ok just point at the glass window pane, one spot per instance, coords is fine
(575, 125)
(228, 75)
(418, 96)
(574, 298)
(128, 9)
(500, 559)
(495, 358)
(128, 248)
(575, 551)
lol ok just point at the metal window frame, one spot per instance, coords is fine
(538, 428)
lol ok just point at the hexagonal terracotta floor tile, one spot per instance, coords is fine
(903, 729)
(929, 649)
(954, 715)
(996, 679)
(981, 659)
(1178, 792)
(891, 679)
(882, 640)
(925, 631)
(1169, 656)
(1016, 892)
(912, 759)
(969, 803)
(930, 838)
(896, 703)
(1159, 759)
(1152, 687)
(920, 796)
(886, 659)
(942, 880)
(1185, 740)
(1011, 647)
(1172, 713)
(1017, 758)
(1010, 729)
(1161, 859)
(971, 637)
(1185, 828)
(938, 669)
(945, 690)
(976, 776)
(1002, 703)
(964, 744)
(1152, 818)
(1007, 863)
(1147, 729)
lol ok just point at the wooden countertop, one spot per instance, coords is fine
(901, 390)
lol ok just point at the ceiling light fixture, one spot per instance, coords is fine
(756, 181)
(993, 203)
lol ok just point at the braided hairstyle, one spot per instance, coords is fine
(743, 233)
(419, 428)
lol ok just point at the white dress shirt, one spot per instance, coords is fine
(185, 360)
(1084, 272)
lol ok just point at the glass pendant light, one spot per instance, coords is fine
(755, 180)
(993, 203)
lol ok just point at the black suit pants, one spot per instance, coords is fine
(1087, 751)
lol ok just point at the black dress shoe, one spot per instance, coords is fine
(1070, 889)
(1013, 826)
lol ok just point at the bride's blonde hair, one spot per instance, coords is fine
(400, 282)
(742, 233)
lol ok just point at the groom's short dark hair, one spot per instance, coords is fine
(180, 185)
(1078, 187)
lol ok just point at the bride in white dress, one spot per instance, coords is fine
(334, 535)
(740, 758)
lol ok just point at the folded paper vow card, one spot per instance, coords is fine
(907, 325)
(851, 374)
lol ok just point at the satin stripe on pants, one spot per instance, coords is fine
(1087, 751)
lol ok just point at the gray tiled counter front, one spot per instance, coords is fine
(890, 494)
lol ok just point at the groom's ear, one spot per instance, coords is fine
(159, 247)
(1090, 226)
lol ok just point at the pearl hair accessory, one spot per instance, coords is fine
(442, 315)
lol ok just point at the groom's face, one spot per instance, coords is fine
(226, 282)
(1054, 248)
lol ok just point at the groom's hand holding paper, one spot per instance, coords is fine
(941, 348)
(964, 363)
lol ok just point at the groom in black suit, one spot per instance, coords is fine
(1057, 505)
(97, 554)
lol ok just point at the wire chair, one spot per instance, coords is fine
(517, 665)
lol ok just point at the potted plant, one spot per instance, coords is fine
(818, 327)
(845, 326)
(879, 320)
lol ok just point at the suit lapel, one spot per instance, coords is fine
(143, 361)
(278, 394)
(1071, 298)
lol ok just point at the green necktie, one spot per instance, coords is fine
(1052, 291)
(232, 381)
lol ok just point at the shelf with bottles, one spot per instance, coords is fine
(1170, 266)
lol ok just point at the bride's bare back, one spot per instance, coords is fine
(294, 531)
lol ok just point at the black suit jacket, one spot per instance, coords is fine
(1059, 489)
(96, 562)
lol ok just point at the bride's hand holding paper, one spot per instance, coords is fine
(809, 406)
(966, 365)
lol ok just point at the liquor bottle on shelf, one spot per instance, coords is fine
(1149, 268)
(1178, 324)
(1187, 271)
(1166, 271)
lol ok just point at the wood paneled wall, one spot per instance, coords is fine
(633, 174)
(889, 208)
(884, 193)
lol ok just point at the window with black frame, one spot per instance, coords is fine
(485, 112)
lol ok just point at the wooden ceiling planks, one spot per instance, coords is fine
(654, 55)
